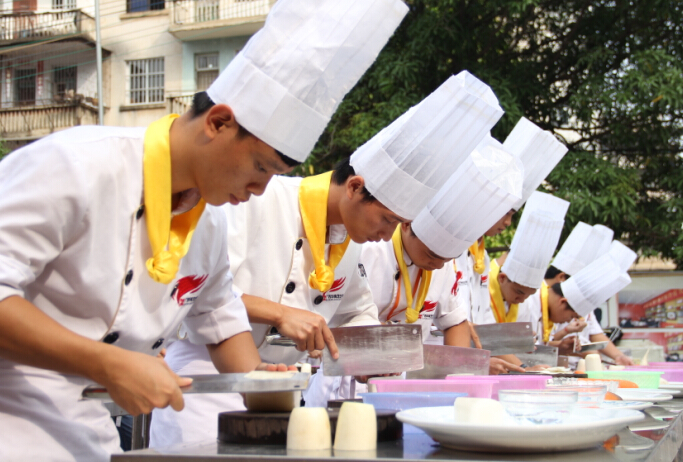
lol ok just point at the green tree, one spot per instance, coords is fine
(607, 76)
(4, 150)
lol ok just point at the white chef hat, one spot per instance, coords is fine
(406, 163)
(622, 255)
(539, 151)
(584, 244)
(594, 285)
(290, 77)
(535, 239)
(473, 199)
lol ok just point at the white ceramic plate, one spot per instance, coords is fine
(676, 393)
(673, 386)
(586, 428)
(635, 405)
(642, 394)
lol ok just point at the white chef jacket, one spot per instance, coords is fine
(73, 242)
(270, 258)
(443, 305)
(474, 288)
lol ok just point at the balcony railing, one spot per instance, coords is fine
(36, 121)
(180, 104)
(186, 12)
(25, 26)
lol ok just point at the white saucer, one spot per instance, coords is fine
(642, 394)
(635, 405)
(586, 428)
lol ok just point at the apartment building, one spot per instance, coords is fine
(156, 55)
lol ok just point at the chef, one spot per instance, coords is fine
(539, 152)
(572, 259)
(411, 282)
(97, 272)
(295, 250)
(592, 286)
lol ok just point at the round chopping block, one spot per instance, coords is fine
(246, 427)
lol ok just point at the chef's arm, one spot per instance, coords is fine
(308, 330)
(458, 335)
(239, 354)
(612, 351)
(137, 382)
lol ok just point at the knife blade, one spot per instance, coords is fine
(506, 337)
(373, 350)
(593, 346)
(544, 354)
(252, 382)
(442, 360)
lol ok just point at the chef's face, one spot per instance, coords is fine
(365, 220)
(418, 252)
(501, 224)
(559, 309)
(233, 164)
(513, 292)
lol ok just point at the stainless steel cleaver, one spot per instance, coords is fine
(442, 360)
(252, 382)
(506, 337)
(543, 355)
(373, 350)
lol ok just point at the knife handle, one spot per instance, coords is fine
(279, 340)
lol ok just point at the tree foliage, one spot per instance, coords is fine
(606, 76)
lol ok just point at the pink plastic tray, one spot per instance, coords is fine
(668, 365)
(508, 382)
(473, 388)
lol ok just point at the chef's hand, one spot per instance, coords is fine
(624, 360)
(537, 368)
(308, 330)
(473, 334)
(275, 367)
(139, 383)
(576, 325)
(500, 366)
(566, 346)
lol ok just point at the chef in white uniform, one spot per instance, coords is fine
(296, 249)
(410, 280)
(95, 274)
(572, 257)
(539, 152)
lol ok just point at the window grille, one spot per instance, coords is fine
(25, 87)
(64, 83)
(146, 81)
(206, 69)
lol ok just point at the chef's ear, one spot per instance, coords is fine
(354, 185)
(220, 117)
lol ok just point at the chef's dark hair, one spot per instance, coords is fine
(551, 272)
(342, 171)
(202, 102)
(557, 288)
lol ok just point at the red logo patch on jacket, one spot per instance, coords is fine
(337, 285)
(428, 309)
(187, 286)
(458, 276)
(484, 279)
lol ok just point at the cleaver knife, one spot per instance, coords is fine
(252, 382)
(544, 354)
(506, 337)
(442, 360)
(372, 350)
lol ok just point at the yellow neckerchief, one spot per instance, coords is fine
(313, 193)
(497, 302)
(169, 237)
(424, 278)
(478, 252)
(547, 323)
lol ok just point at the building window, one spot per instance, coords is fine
(206, 10)
(134, 6)
(63, 4)
(64, 83)
(146, 80)
(206, 69)
(25, 87)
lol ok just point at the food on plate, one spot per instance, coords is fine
(609, 396)
(593, 363)
(581, 366)
(356, 428)
(272, 401)
(622, 383)
(309, 429)
(480, 411)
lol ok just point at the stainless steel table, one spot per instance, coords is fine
(650, 443)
